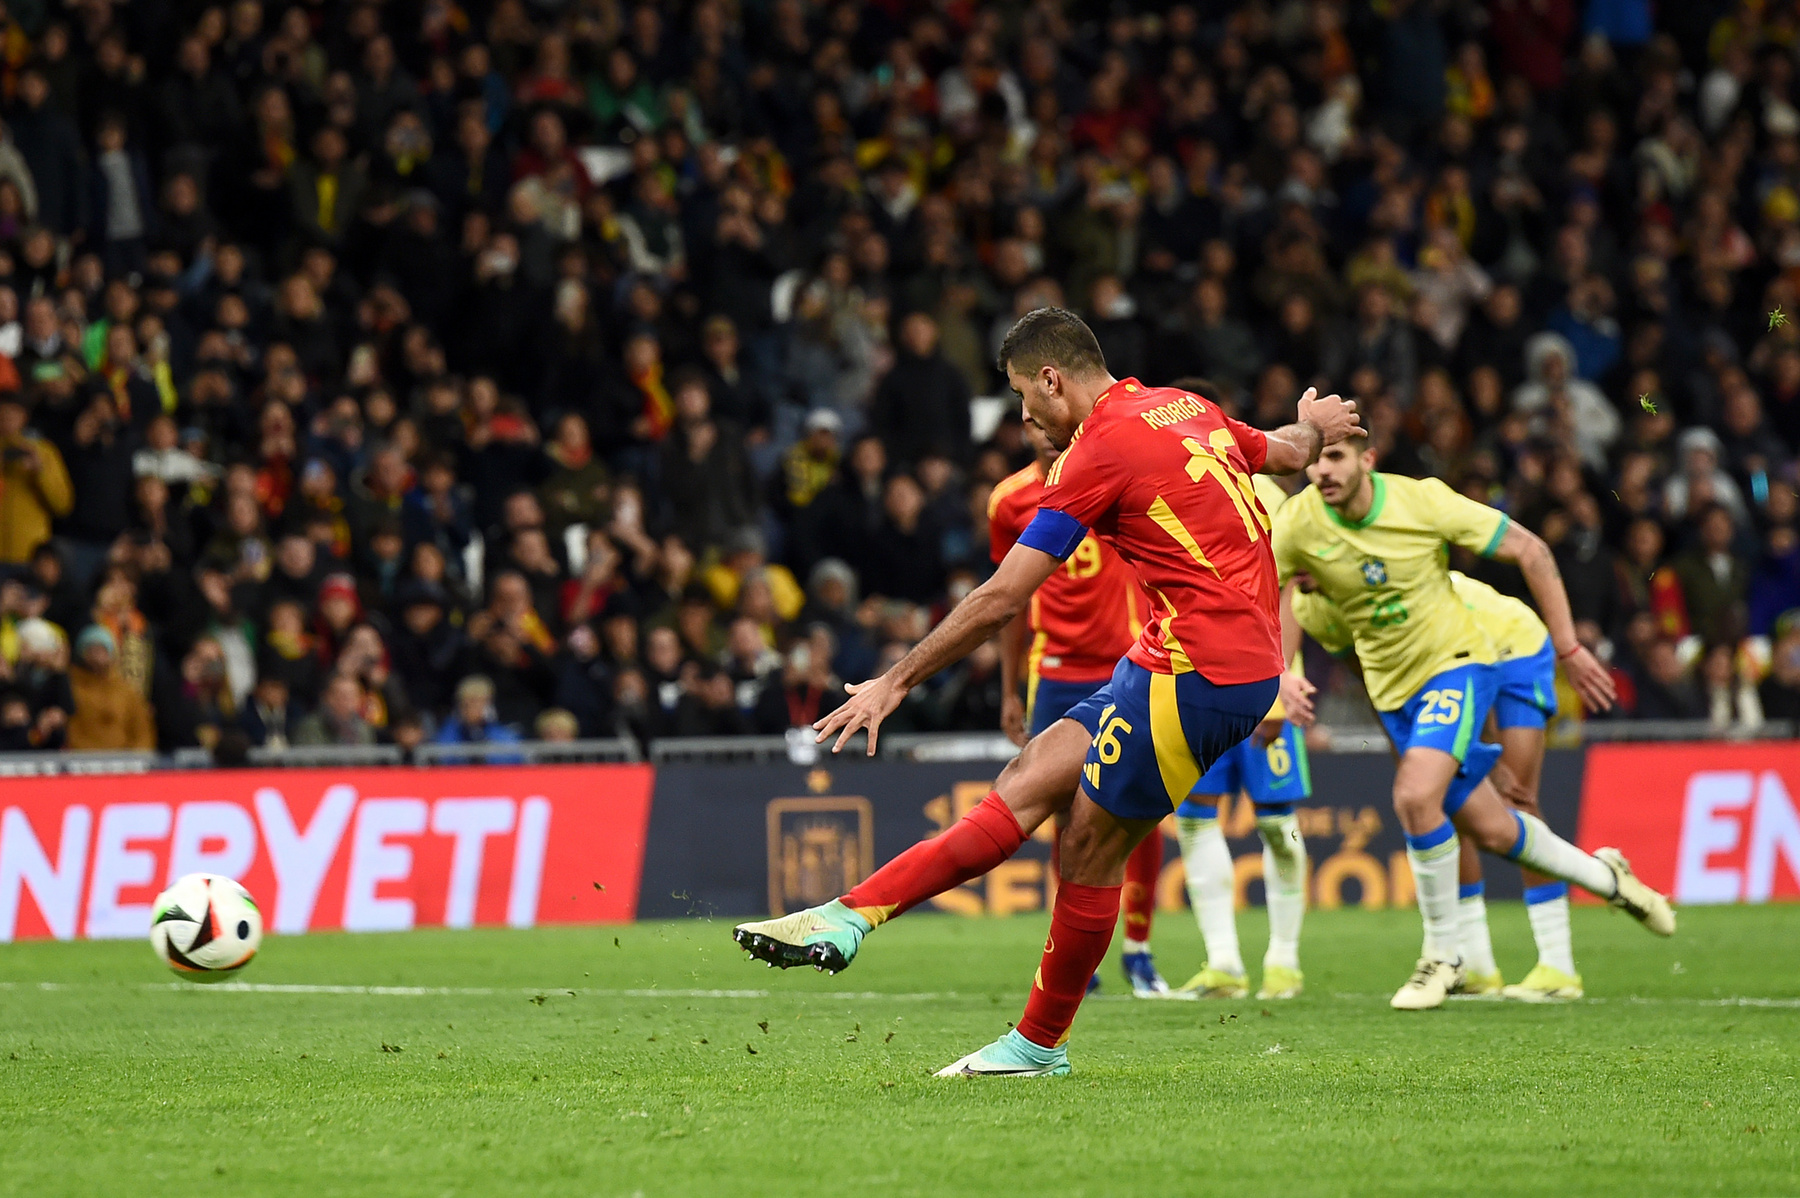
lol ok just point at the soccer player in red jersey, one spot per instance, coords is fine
(1162, 476)
(1079, 623)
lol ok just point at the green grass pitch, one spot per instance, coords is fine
(1676, 1077)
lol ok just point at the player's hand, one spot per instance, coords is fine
(1334, 416)
(1296, 699)
(1591, 680)
(1267, 731)
(1012, 719)
(870, 703)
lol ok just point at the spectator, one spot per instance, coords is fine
(98, 457)
(48, 141)
(40, 682)
(1561, 404)
(289, 652)
(1731, 698)
(1714, 580)
(704, 469)
(200, 706)
(708, 705)
(34, 484)
(911, 565)
(1700, 475)
(428, 651)
(922, 406)
(110, 713)
(475, 720)
(327, 189)
(1665, 691)
(806, 690)
(269, 720)
(1780, 691)
(585, 682)
(807, 469)
(1114, 321)
(123, 208)
(579, 489)
(1380, 341)
(1775, 587)
(557, 726)
(339, 719)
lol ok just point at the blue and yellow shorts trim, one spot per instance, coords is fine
(1276, 774)
(1155, 735)
(1048, 700)
(1448, 714)
(1527, 695)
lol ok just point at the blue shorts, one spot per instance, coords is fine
(1527, 697)
(1449, 713)
(1047, 700)
(1156, 734)
(1276, 774)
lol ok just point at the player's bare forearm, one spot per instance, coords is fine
(1526, 550)
(1012, 651)
(1293, 448)
(1290, 627)
(979, 616)
(1321, 421)
(1591, 680)
(986, 609)
(1012, 709)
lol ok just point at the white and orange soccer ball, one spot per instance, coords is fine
(205, 927)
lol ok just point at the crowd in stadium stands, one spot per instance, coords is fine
(470, 370)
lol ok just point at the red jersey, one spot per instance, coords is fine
(1087, 614)
(1163, 477)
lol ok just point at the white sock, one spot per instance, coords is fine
(1210, 889)
(1134, 946)
(1472, 929)
(1284, 884)
(1543, 850)
(1548, 908)
(1433, 857)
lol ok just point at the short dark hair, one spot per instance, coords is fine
(1051, 337)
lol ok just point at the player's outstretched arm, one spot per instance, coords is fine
(974, 620)
(1527, 550)
(1296, 691)
(1012, 654)
(1321, 422)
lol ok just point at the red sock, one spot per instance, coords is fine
(966, 849)
(1142, 869)
(1081, 928)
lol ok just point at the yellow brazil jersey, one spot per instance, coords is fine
(1389, 575)
(1513, 627)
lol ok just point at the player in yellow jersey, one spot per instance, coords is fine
(1375, 545)
(1271, 766)
(1524, 704)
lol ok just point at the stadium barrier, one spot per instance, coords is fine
(347, 844)
(344, 848)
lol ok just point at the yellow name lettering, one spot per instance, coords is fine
(1184, 408)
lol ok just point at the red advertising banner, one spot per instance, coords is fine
(360, 850)
(1706, 823)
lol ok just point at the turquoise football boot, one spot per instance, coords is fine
(1012, 1055)
(824, 937)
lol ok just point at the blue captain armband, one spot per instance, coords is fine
(1053, 532)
